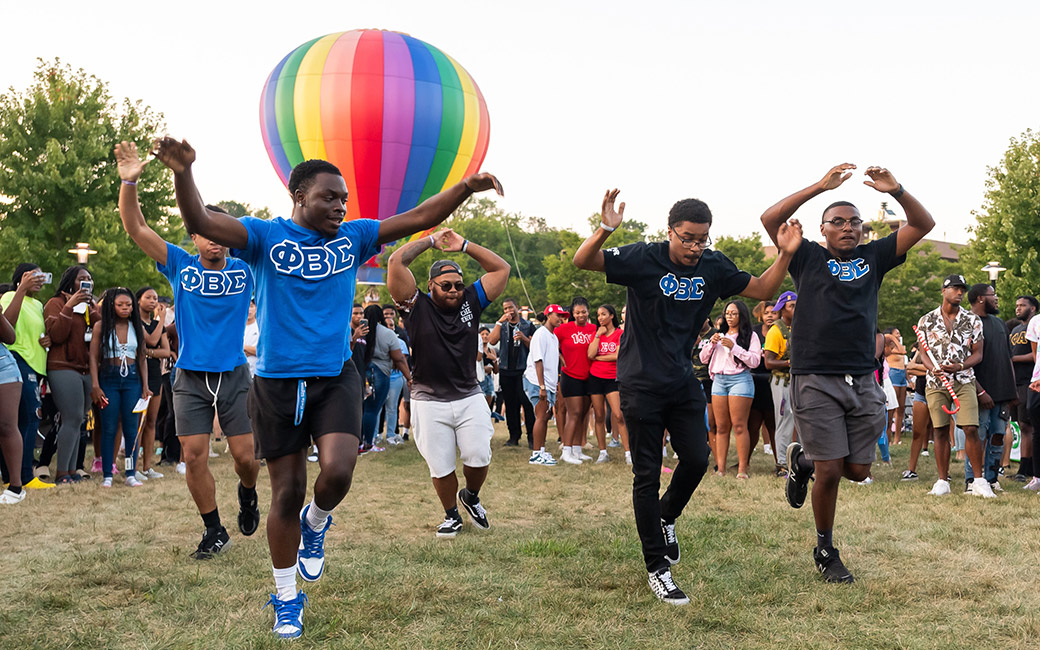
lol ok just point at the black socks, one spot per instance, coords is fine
(211, 519)
(824, 539)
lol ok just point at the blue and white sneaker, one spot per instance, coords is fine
(541, 458)
(310, 559)
(288, 615)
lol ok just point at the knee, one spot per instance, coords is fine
(857, 472)
(338, 478)
(194, 457)
(287, 498)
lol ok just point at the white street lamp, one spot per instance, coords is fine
(993, 269)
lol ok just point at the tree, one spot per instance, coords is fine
(912, 289)
(238, 210)
(1007, 228)
(59, 182)
(747, 253)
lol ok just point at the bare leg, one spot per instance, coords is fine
(942, 451)
(246, 465)
(825, 488)
(720, 405)
(148, 433)
(897, 435)
(618, 418)
(10, 436)
(195, 452)
(739, 407)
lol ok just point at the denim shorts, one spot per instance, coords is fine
(898, 376)
(488, 385)
(919, 398)
(9, 372)
(738, 385)
(532, 394)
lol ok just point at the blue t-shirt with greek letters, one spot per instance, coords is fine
(212, 308)
(305, 293)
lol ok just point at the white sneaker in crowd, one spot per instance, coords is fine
(182, 468)
(1033, 485)
(151, 473)
(767, 449)
(980, 487)
(131, 481)
(940, 488)
(578, 453)
(568, 457)
(628, 457)
(603, 457)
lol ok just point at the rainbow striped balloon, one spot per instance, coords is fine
(401, 119)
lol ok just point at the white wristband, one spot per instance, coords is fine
(465, 243)
(606, 227)
(432, 243)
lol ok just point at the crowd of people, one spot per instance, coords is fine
(255, 347)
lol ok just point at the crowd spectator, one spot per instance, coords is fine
(541, 380)
(512, 334)
(156, 349)
(777, 358)
(602, 382)
(761, 419)
(895, 357)
(1022, 360)
(10, 397)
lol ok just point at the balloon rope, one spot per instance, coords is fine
(516, 265)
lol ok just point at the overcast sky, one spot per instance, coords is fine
(737, 103)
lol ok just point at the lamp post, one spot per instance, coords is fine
(993, 269)
(82, 251)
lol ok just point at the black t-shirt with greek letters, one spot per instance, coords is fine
(834, 327)
(667, 305)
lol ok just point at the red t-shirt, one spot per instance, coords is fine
(607, 345)
(574, 348)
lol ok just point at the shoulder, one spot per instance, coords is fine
(359, 227)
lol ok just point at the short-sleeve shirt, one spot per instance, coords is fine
(607, 345)
(445, 346)
(212, 309)
(994, 372)
(667, 306)
(305, 293)
(1033, 334)
(834, 327)
(574, 348)
(385, 341)
(950, 346)
(775, 342)
(545, 348)
(27, 332)
(1020, 345)
(512, 358)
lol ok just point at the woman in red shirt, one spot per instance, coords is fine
(602, 382)
(575, 337)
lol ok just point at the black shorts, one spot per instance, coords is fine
(154, 376)
(763, 400)
(600, 386)
(330, 405)
(194, 392)
(571, 387)
(1020, 413)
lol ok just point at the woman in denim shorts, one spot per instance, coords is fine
(10, 397)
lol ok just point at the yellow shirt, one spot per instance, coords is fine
(28, 331)
(775, 342)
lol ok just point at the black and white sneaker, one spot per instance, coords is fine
(664, 588)
(909, 475)
(830, 566)
(450, 527)
(671, 542)
(214, 541)
(471, 503)
(797, 476)
(248, 511)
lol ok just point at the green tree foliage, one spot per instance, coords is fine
(912, 289)
(1008, 225)
(238, 210)
(747, 253)
(58, 179)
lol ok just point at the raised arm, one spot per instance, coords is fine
(788, 238)
(778, 214)
(217, 226)
(589, 255)
(399, 279)
(496, 269)
(918, 220)
(130, 167)
(431, 212)
(7, 334)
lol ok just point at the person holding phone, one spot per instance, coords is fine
(156, 348)
(68, 319)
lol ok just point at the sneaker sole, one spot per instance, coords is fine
(256, 524)
(447, 535)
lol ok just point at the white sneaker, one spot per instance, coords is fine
(867, 481)
(107, 482)
(996, 486)
(603, 457)
(1033, 485)
(664, 452)
(940, 488)
(9, 498)
(767, 449)
(313, 456)
(568, 457)
(213, 454)
(628, 457)
(980, 488)
(924, 452)
(151, 473)
(182, 468)
(541, 458)
(582, 455)
(131, 481)
(140, 476)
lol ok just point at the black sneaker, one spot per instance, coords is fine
(663, 587)
(214, 541)
(511, 443)
(476, 511)
(909, 475)
(248, 511)
(450, 527)
(829, 564)
(671, 542)
(797, 476)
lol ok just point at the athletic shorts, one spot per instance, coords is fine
(571, 387)
(967, 416)
(532, 394)
(898, 376)
(837, 420)
(738, 385)
(600, 386)
(194, 392)
(329, 405)
(9, 373)
(1020, 412)
(440, 428)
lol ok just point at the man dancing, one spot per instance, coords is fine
(448, 404)
(672, 287)
(839, 409)
(305, 387)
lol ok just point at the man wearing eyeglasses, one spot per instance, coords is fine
(839, 409)
(672, 287)
(448, 406)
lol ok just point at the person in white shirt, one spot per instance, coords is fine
(252, 335)
(540, 378)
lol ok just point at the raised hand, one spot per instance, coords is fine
(178, 155)
(789, 236)
(484, 182)
(608, 215)
(129, 163)
(881, 179)
(31, 281)
(836, 176)
(601, 331)
(448, 240)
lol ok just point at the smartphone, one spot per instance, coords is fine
(86, 285)
(47, 277)
(363, 322)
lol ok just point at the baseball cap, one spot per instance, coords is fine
(784, 298)
(955, 280)
(443, 267)
(555, 309)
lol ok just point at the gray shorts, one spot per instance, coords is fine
(835, 420)
(194, 392)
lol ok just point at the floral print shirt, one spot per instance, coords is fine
(951, 345)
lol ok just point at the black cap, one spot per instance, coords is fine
(441, 267)
(955, 280)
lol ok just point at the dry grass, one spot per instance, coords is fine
(560, 567)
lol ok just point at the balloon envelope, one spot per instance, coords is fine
(400, 118)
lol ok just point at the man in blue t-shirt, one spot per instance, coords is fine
(839, 409)
(212, 294)
(305, 387)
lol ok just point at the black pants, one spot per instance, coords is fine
(166, 425)
(681, 412)
(513, 394)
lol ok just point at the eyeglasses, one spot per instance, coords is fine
(448, 286)
(690, 243)
(840, 223)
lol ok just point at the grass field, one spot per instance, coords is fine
(560, 567)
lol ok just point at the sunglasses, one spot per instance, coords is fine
(448, 286)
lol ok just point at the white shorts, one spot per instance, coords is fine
(441, 427)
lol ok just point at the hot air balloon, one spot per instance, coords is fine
(400, 118)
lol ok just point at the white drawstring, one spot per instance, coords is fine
(220, 378)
